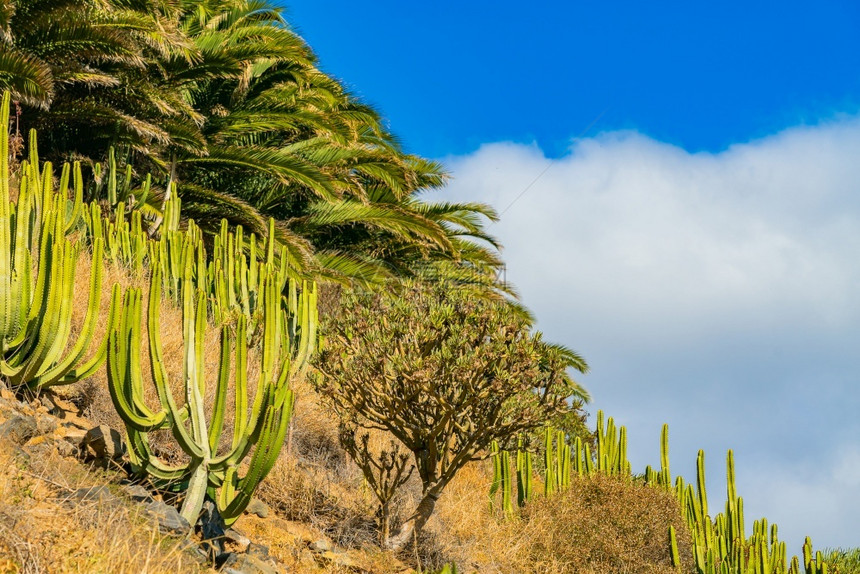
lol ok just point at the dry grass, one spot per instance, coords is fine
(41, 532)
(316, 483)
(600, 525)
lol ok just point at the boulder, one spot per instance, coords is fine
(233, 563)
(137, 493)
(258, 507)
(102, 442)
(20, 429)
(235, 541)
(168, 518)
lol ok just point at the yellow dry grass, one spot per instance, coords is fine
(39, 533)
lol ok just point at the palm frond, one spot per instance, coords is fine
(27, 77)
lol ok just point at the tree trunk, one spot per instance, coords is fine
(414, 524)
(385, 523)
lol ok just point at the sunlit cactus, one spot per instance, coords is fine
(126, 242)
(665, 474)
(611, 456)
(673, 547)
(235, 276)
(550, 480)
(211, 469)
(38, 262)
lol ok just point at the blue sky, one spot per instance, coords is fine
(700, 245)
(453, 75)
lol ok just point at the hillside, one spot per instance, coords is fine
(61, 513)
(238, 334)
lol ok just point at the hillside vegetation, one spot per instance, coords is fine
(235, 336)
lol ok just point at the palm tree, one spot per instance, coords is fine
(80, 70)
(221, 97)
(287, 141)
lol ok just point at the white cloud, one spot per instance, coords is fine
(717, 292)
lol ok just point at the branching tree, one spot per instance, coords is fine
(444, 372)
(385, 469)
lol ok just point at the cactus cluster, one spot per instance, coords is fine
(560, 460)
(232, 277)
(42, 235)
(720, 544)
(38, 262)
(209, 470)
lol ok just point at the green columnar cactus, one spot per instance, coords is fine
(524, 475)
(700, 485)
(563, 460)
(496, 484)
(507, 483)
(578, 463)
(211, 470)
(589, 462)
(174, 252)
(550, 467)
(816, 565)
(719, 545)
(235, 271)
(665, 474)
(611, 447)
(119, 184)
(673, 545)
(37, 291)
(126, 242)
(501, 478)
(549, 464)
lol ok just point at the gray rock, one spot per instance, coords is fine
(244, 564)
(19, 429)
(102, 442)
(92, 494)
(137, 493)
(212, 529)
(66, 448)
(169, 519)
(236, 541)
(75, 437)
(258, 507)
(258, 550)
(59, 407)
(321, 545)
(46, 425)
